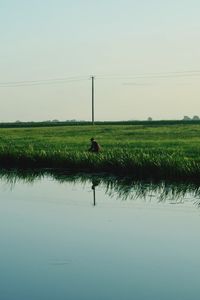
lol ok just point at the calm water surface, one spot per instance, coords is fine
(80, 240)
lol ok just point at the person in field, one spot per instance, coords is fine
(95, 147)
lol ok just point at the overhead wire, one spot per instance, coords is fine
(158, 75)
(63, 80)
(51, 81)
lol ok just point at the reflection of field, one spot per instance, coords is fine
(124, 188)
(161, 151)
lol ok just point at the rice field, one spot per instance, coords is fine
(142, 151)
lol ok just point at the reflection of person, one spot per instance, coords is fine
(95, 182)
(95, 147)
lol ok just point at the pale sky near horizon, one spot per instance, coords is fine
(114, 40)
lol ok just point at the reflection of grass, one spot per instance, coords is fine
(121, 187)
(163, 151)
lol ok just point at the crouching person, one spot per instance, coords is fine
(95, 147)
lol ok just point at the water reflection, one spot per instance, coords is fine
(95, 183)
(114, 186)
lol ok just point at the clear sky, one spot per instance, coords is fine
(114, 40)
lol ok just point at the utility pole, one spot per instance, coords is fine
(92, 77)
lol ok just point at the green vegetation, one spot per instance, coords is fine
(154, 150)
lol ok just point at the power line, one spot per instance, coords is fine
(63, 80)
(152, 73)
(151, 76)
(42, 82)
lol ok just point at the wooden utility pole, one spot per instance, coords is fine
(92, 77)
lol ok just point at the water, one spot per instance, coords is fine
(90, 239)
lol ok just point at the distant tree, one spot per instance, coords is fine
(195, 118)
(18, 121)
(186, 118)
(149, 119)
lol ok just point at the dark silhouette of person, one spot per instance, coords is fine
(95, 182)
(95, 147)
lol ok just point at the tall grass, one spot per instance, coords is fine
(136, 163)
(165, 152)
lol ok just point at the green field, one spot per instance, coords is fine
(144, 151)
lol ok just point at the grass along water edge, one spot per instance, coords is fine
(165, 152)
(137, 163)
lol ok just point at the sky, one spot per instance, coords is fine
(144, 55)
